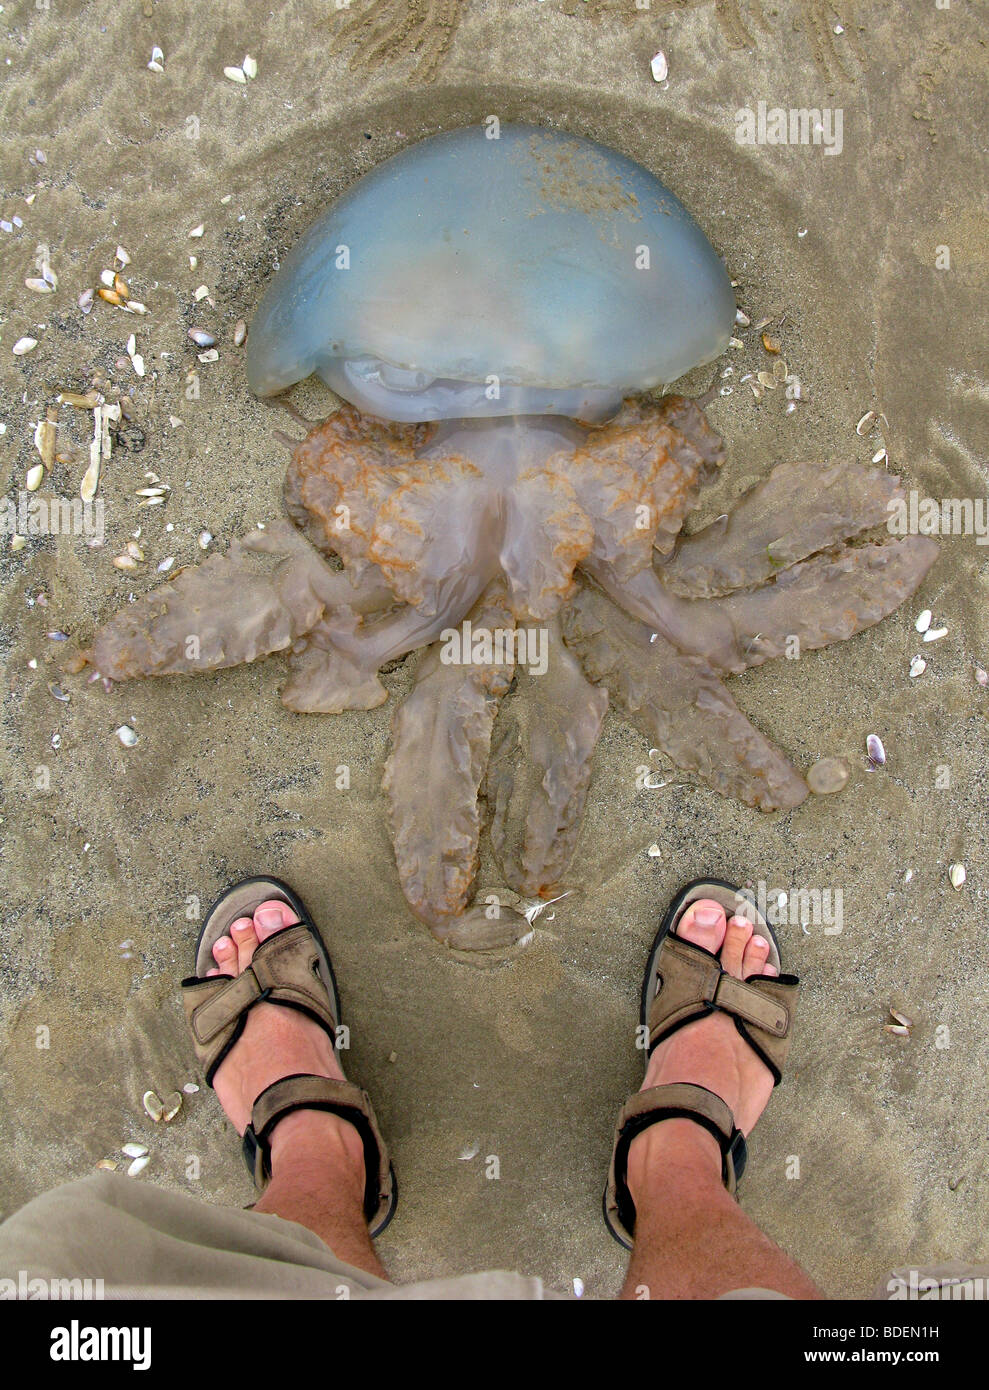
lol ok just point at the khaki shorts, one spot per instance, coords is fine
(142, 1241)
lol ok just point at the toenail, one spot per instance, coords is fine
(760, 941)
(269, 917)
(707, 916)
(242, 926)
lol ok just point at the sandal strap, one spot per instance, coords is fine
(683, 1100)
(284, 970)
(690, 984)
(304, 1091)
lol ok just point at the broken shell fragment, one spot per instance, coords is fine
(866, 422)
(126, 735)
(153, 1106)
(957, 875)
(917, 667)
(876, 751)
(124, 562)
(828, 775)
(659, 67)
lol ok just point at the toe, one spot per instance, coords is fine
(755, 956)
(737, 935)
(225, 955)
(768, 969)
(272, 916)
(245, 940)
(703, 923)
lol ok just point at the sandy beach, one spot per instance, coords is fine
(868, 259)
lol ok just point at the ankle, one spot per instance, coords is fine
(675, 1153)
(317, 1141)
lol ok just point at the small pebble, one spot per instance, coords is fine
(828, 775)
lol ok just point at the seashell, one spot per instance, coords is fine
(111, 297)
(57, 692)
(654, 851)
(957, 875)
(120, 254)
(201, 338)
(190, 1088)
(767, 379)
(901, 1018)
(197, 232)
(771, 343)
(204, 540)
(121, 286)
(23, 346)
(34, 477)
(240, 332)
(879, 456)
(126, 735)
(40, 286)
(134, 550)
(150, 492)
(85, 301)
(235, 74)
(136, 307)
(898, 1029)
(917, 666)
(138, 1165)
(923, 620)
(742, 318)
(153, 1106)
(210, 355)
(17, 543)
(124, 562)
(166, 565)
(250, 66)
(659, 67)
(172, 1106)
(981, 676)
(110, 1164)
(866, 422)
(876, 751)
(133, 1149)
(934, 634)
(779, 369)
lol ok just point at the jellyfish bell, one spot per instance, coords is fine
(538, 273)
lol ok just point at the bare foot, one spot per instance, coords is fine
(276, 1042)
(710, 1052)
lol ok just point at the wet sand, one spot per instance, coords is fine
(525, 1058)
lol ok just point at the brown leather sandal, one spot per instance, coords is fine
(291, 968)
(683, 982)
